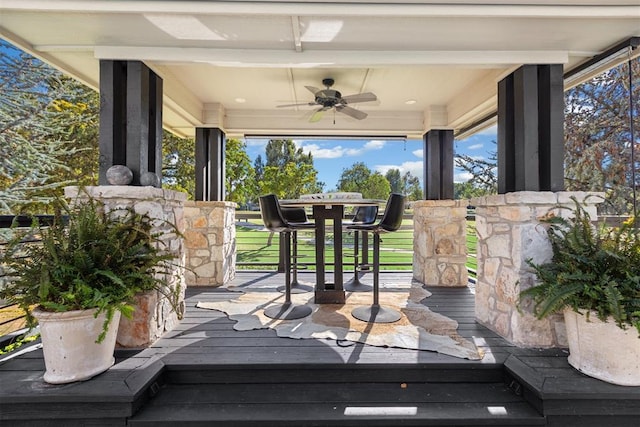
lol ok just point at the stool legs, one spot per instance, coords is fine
(355, 285)
(376, 313)
(297, 287)
(287, 310)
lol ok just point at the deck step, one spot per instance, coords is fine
(335, 404)
(204, 373)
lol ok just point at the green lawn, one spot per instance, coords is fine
(256, 248)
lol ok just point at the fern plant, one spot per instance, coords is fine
(88, 258)
(594, 268)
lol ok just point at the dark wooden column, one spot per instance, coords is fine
(130, 119)
(438, 165)
(210, 146)
(530, 130)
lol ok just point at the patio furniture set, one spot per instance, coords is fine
(287, 217)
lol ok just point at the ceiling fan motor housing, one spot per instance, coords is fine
(328, 97)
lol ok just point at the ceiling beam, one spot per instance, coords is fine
(295, 30)
(325, 58)
(454, 8)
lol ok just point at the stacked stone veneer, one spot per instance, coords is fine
(509, 233)
(439, 242)
(210, 240)
(154, 314)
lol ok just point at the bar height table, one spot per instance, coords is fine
(329, 209)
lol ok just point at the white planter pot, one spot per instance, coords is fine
(68, 342)
(603, 350)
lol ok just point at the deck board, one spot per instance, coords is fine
(204, 348)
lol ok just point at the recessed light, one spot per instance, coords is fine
(410, 101)
(241, 100)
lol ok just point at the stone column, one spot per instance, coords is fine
(440, 242)
(154, 313)
(210, 240)
(510, 233)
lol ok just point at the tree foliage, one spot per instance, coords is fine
(360, 179)
(239, 174)
(395, 180)
(179, 164)
(39, 133)
(598, 138)
(288, 171)
(406, 184)
(483, 172)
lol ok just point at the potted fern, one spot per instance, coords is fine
(79, 279)
(594, 277)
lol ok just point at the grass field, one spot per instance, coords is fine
(258, 248)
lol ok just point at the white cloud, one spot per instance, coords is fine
(418, 153)
(374, 144)
(475, 146)
(415, 168)
(462, 177)
(319, 152)
(323, 153)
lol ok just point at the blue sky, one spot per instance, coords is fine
(331, 156)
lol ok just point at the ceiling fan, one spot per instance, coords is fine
(332, 99)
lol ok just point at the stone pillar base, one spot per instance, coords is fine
(210, 240)
(154, 313)
(510, 233)
(440, 242)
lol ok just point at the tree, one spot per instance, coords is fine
(377, 187)
(288, 171)
(406, 184)
(598, 138)
(34, 142)
(179, 164)
(411, 187)
(484, 178)
(355, 178)
(239, 175)
(360, 179)
(395, 180)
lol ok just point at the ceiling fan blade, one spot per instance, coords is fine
(312, 89)
(296, 105)
(317, 115)
(356, 114)
(360, 97)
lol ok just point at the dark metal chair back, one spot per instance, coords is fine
(291, 214)
(272, 215)
(365, 215)
(392, 218)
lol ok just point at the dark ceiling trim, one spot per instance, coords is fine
(478, 123)
(294, 136)
(632, 42)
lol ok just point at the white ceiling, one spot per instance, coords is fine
(447, 56)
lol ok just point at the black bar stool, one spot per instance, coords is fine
(363, 215)
(274, 221)
(295, 216)
(390, 222)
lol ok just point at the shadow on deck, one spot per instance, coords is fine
(206, 373)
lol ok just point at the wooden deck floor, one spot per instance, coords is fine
(205, 355)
